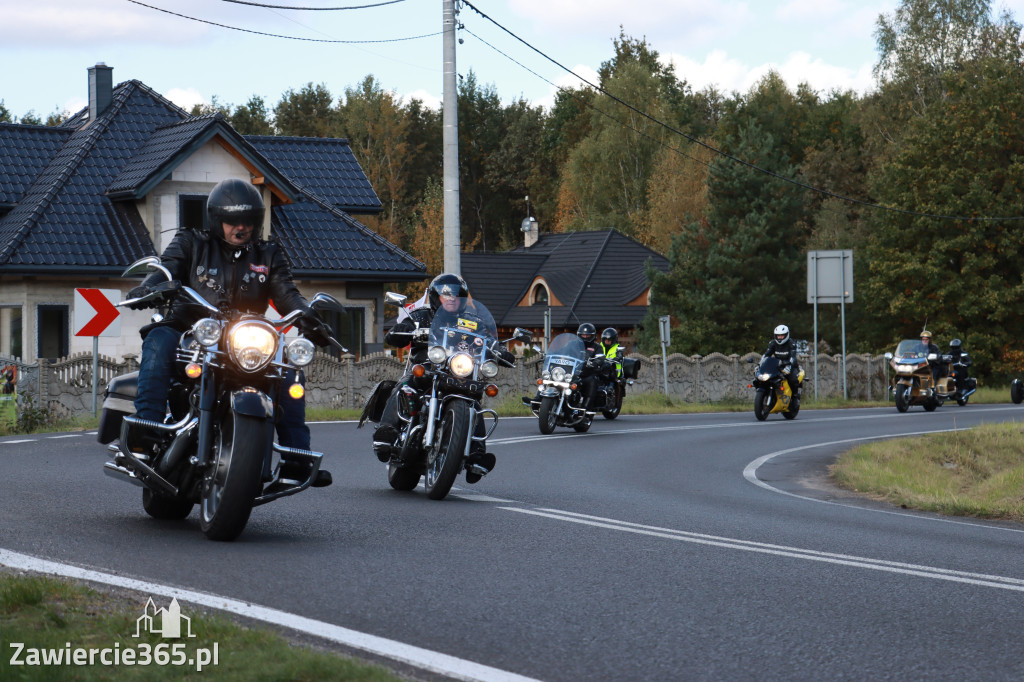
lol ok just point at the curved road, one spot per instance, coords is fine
(704, 546)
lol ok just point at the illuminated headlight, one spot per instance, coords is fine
(763, 377)
(905, 369)
(436, 354)
(558, 374)
(300, 352)
(253, 345)
(206, 331)
(489, 369)
(461, 365)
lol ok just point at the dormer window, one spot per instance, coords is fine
(539, 296)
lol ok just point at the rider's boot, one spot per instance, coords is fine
(383, 441)
(479, 462)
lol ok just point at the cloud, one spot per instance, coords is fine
(186, 98)
(429, 99)
(73, 23)
(729, 75)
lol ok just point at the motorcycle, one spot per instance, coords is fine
(963, 385)
(439, 407)
(216, 448)
(773, 393)
(912, 382)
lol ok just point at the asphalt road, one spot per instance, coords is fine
(705, 546)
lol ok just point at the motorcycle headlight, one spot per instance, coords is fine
(908, 369)
(545, 374)
(436, 354)
(300, 352)
(461, 365)
(206, 331)
(253, 345)
(763, 377)
(489, 369)
(558, 374)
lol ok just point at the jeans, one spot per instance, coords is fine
(156, 369)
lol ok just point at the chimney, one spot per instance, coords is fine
(531, 231)
(101, 89)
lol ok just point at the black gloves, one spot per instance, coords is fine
(139, 291)
(503, 355)
(313, 329)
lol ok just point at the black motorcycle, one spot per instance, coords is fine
(439, 406)
(964, 385)
(216, 447)
(559, 399)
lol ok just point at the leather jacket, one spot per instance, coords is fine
(243, 278)
(784, 352)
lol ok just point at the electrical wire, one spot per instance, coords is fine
(274, 35)
(725, 154)
(313, 9)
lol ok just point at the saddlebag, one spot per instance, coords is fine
(118, 401)
(630, 368)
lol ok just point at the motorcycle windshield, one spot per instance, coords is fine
(566, 351)
(463, 325)
(910, 350)
(770, 366)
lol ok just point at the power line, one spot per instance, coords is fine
(313, 9)
(731, 157)
(274, 35)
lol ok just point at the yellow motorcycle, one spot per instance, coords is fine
(773, 391)
(912, 382)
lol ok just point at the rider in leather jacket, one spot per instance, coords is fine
(782, 347)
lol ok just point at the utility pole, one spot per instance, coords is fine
(450, 141)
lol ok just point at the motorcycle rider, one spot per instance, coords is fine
(228, 264)
(929, 348)
(610, 348)
(590, 376)
(446, 295)
(782, 347)
(962, 358)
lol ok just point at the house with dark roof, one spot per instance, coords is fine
(112, 184)
(596, 276)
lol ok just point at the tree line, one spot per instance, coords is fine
(921, 177)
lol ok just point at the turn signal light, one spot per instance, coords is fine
(540, 381)
(418, 371)
(296, 391)
(573, 386)
(490, 390)
(193, 370)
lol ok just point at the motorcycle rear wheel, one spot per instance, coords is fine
(902, 397)
(239, 450)
(962, 401)
(546, 415)
(613, 411)
(403, 477)
(168, 508)
(794, 408)
(762, 407)
(451, 444)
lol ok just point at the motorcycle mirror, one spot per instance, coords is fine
(395, 298)
(932, 356)
(888, 356)
(522, 335)
(145, 265)
(326, 303)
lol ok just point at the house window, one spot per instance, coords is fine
(190, 210)
(348, 329)
(52, 331)
(10, 331)
(540, 295)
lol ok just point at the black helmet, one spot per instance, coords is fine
(609, 336)
(955, 344)
(587, 332)
(446, 284)
(234, 201)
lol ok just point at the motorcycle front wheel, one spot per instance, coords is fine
(546, 415)
(451, 443)
(902, 397)
(239, 450)
(1017, 391)
(762, 407)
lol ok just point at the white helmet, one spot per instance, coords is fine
(781, 334)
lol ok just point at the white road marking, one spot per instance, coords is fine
(70, 435)
(425, 659)
(750, 473)
(11, 442)
(981, 579)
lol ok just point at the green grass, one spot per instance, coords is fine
(47, 613)
(977, 472)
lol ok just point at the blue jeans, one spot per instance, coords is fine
(156, 369)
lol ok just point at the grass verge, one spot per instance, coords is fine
(977, 472)
(45, 613)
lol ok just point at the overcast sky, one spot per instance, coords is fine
(47, 45)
